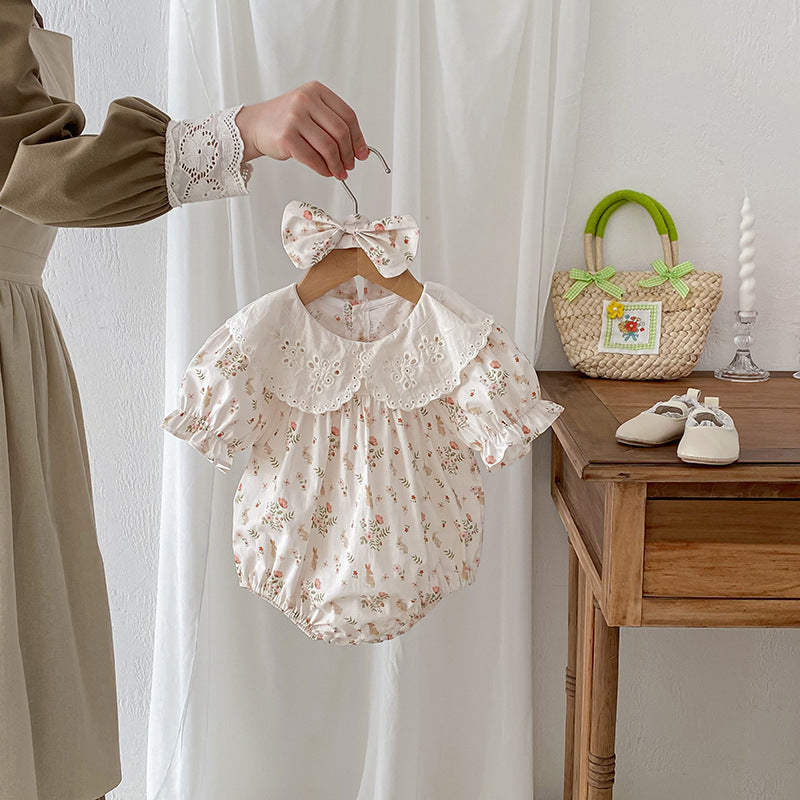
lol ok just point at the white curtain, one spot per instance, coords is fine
(475, 106)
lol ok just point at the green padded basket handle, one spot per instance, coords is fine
(598, 219)
(671, 231)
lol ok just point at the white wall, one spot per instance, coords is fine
(684, 100)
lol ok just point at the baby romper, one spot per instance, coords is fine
(361, 505)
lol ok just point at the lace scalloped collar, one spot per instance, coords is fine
(315, 369)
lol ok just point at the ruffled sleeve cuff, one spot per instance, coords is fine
(194, 428)
(503, 441)
(203, 158)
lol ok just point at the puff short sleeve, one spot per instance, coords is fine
(140, 165)
(496, 407)
(223, 403)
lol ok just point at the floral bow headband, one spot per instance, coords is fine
(309, 234)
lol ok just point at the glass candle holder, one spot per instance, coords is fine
(742, 367)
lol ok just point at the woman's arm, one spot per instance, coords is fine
(142, 163)
(52, 174)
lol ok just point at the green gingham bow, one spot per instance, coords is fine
(674, 276)
(582, 279)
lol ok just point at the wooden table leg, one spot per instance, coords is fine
(583, 687)
(572, 647)
(601, 757)
(592, 668)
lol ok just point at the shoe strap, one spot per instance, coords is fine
(710, 407)
(693, 394)
(672, 405)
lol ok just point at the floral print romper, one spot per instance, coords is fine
(361, 505)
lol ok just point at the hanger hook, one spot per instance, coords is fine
(347, 188)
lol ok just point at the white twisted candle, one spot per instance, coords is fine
(747, 272)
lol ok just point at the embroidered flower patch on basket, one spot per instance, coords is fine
(630, 328)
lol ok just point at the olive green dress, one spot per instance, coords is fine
(58, 715)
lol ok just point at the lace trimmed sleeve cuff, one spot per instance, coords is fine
(203, 158)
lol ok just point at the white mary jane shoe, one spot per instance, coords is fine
(663, 422)
(710, 437)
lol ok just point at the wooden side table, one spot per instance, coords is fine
(654, 541)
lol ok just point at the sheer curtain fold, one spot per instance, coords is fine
(476, 112)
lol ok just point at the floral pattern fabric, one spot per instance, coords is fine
(309, 234)
(361, 504)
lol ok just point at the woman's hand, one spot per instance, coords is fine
(311, 124)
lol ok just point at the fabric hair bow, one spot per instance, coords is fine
(309, 234)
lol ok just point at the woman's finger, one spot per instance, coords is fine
(300, 150)
(324, 144)
(344, 112)
(337, 129)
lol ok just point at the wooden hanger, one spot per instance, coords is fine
(341, 264)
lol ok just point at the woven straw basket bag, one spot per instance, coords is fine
(634, 325)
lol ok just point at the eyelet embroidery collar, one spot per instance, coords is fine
(316, 370)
